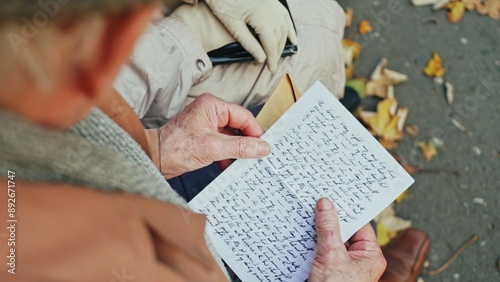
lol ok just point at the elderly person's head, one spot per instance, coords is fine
(59, 57)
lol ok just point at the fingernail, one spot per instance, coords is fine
(325, 204)
(263, 149)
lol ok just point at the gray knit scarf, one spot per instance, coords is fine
(95, 153)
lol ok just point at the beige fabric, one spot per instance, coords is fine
(169, 69)
(66, 233)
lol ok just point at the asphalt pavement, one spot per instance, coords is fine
(457, 196)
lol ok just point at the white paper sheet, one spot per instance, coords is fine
(260, 213)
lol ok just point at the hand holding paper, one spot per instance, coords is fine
(261, 212)
(360, 259)
(203, 133)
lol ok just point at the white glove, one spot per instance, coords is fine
(204, 25)
(270, 20)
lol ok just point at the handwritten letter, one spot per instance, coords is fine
(260, 213)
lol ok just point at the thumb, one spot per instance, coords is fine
(330, 246)
(237, 147)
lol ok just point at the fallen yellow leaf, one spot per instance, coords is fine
(402, 114)
(353, 45)
(456, 11)
(412, 130)
(349, 72)
(401, 197)
(471, 4)
(379, 122)
(388, 145)
(364, 27)
(388, 225)
(382, 79)
(435, 67)
(490, 8)
(383, 237)
(429, 150)
(391, 132)
(377, 88)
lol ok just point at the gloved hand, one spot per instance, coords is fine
(204, 25)
(270, 20)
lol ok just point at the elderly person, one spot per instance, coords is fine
(170, 68)
(85, 201)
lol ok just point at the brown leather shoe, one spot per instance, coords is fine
(405, 256)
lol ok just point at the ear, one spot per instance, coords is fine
(115, 45)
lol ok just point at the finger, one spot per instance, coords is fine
(235, 147)
(292, 35)
(238, 117)
(270, 44)
(281, 44)
(243, 35)
(330, 243)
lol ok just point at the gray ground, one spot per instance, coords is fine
(442, 204)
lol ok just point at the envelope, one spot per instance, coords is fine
(283, 97)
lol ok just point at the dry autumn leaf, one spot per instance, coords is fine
(490, 8)
(382, 79)
(412, 130)
(388, 225)
(383, 236)
(456, 11)
(435, 67)
(386, 122)
(383, 117)
(429, 150)
(349, 13)
(388, 145)
(409, 168)
(391, 131)
(349, 72)
(402, 114)
(450, 93)
(471, 4)
(364, 27)
(353, 45)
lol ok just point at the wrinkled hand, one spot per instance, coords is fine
(359, 259)
(204, 132)
(270, 20)
(205, 26)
